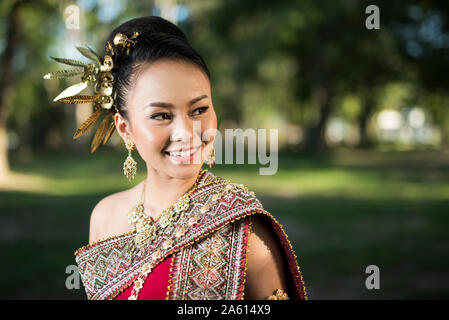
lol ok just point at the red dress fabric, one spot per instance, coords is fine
(156, 285)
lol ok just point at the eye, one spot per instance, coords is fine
(200, 110)
(160, 116)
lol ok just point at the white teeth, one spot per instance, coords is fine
(182, 153)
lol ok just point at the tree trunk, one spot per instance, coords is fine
(365, 114)
(322, 94)
(4, 164)
(316, 142)
(6, 81)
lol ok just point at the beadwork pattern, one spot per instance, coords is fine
(213, 268)
(218, 206)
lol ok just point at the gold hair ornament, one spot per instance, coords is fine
(97, 74)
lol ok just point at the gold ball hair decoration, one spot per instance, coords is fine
(96, 73)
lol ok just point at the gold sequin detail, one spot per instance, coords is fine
(278, 294)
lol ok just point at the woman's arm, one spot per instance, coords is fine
(265, 267)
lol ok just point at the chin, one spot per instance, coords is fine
(184, 171)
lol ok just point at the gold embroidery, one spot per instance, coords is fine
(197, 236)
(181, 231)
(170, 278)
(246, 256)
(93, 244)
(278, 294)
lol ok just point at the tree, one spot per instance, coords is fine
(7, 77)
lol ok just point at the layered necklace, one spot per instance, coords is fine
(146, 228)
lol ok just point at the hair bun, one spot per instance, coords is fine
(147, 27)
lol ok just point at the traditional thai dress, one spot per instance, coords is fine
(202, 257)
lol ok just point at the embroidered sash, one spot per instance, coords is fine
(208, 243)
(212, 268)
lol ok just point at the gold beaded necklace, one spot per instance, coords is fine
(146, 228)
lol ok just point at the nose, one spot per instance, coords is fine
(186, 132)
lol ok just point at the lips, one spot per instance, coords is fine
(182, 155)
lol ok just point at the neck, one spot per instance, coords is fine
(162, 191)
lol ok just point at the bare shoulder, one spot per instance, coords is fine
(262, 242)
(265, 272)
(109, 216)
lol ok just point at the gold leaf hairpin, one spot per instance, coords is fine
(98, 74)
(88, 123)
(63, 74)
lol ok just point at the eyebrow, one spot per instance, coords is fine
(170, 105)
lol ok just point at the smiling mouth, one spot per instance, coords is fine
(183, 155)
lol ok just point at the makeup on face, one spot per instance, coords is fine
(172, 108)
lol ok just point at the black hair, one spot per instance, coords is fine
(158, 39)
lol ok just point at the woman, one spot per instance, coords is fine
(183, 232)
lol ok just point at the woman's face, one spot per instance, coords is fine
(170, 110)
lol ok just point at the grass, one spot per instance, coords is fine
(342, 212)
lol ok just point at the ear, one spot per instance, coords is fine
(122, 126)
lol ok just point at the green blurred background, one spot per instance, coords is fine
(362, 116)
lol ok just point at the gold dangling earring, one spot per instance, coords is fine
(130, 165)
(211, 157)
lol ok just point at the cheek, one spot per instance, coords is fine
(210, 122)
(151, 139)
(209, 125)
